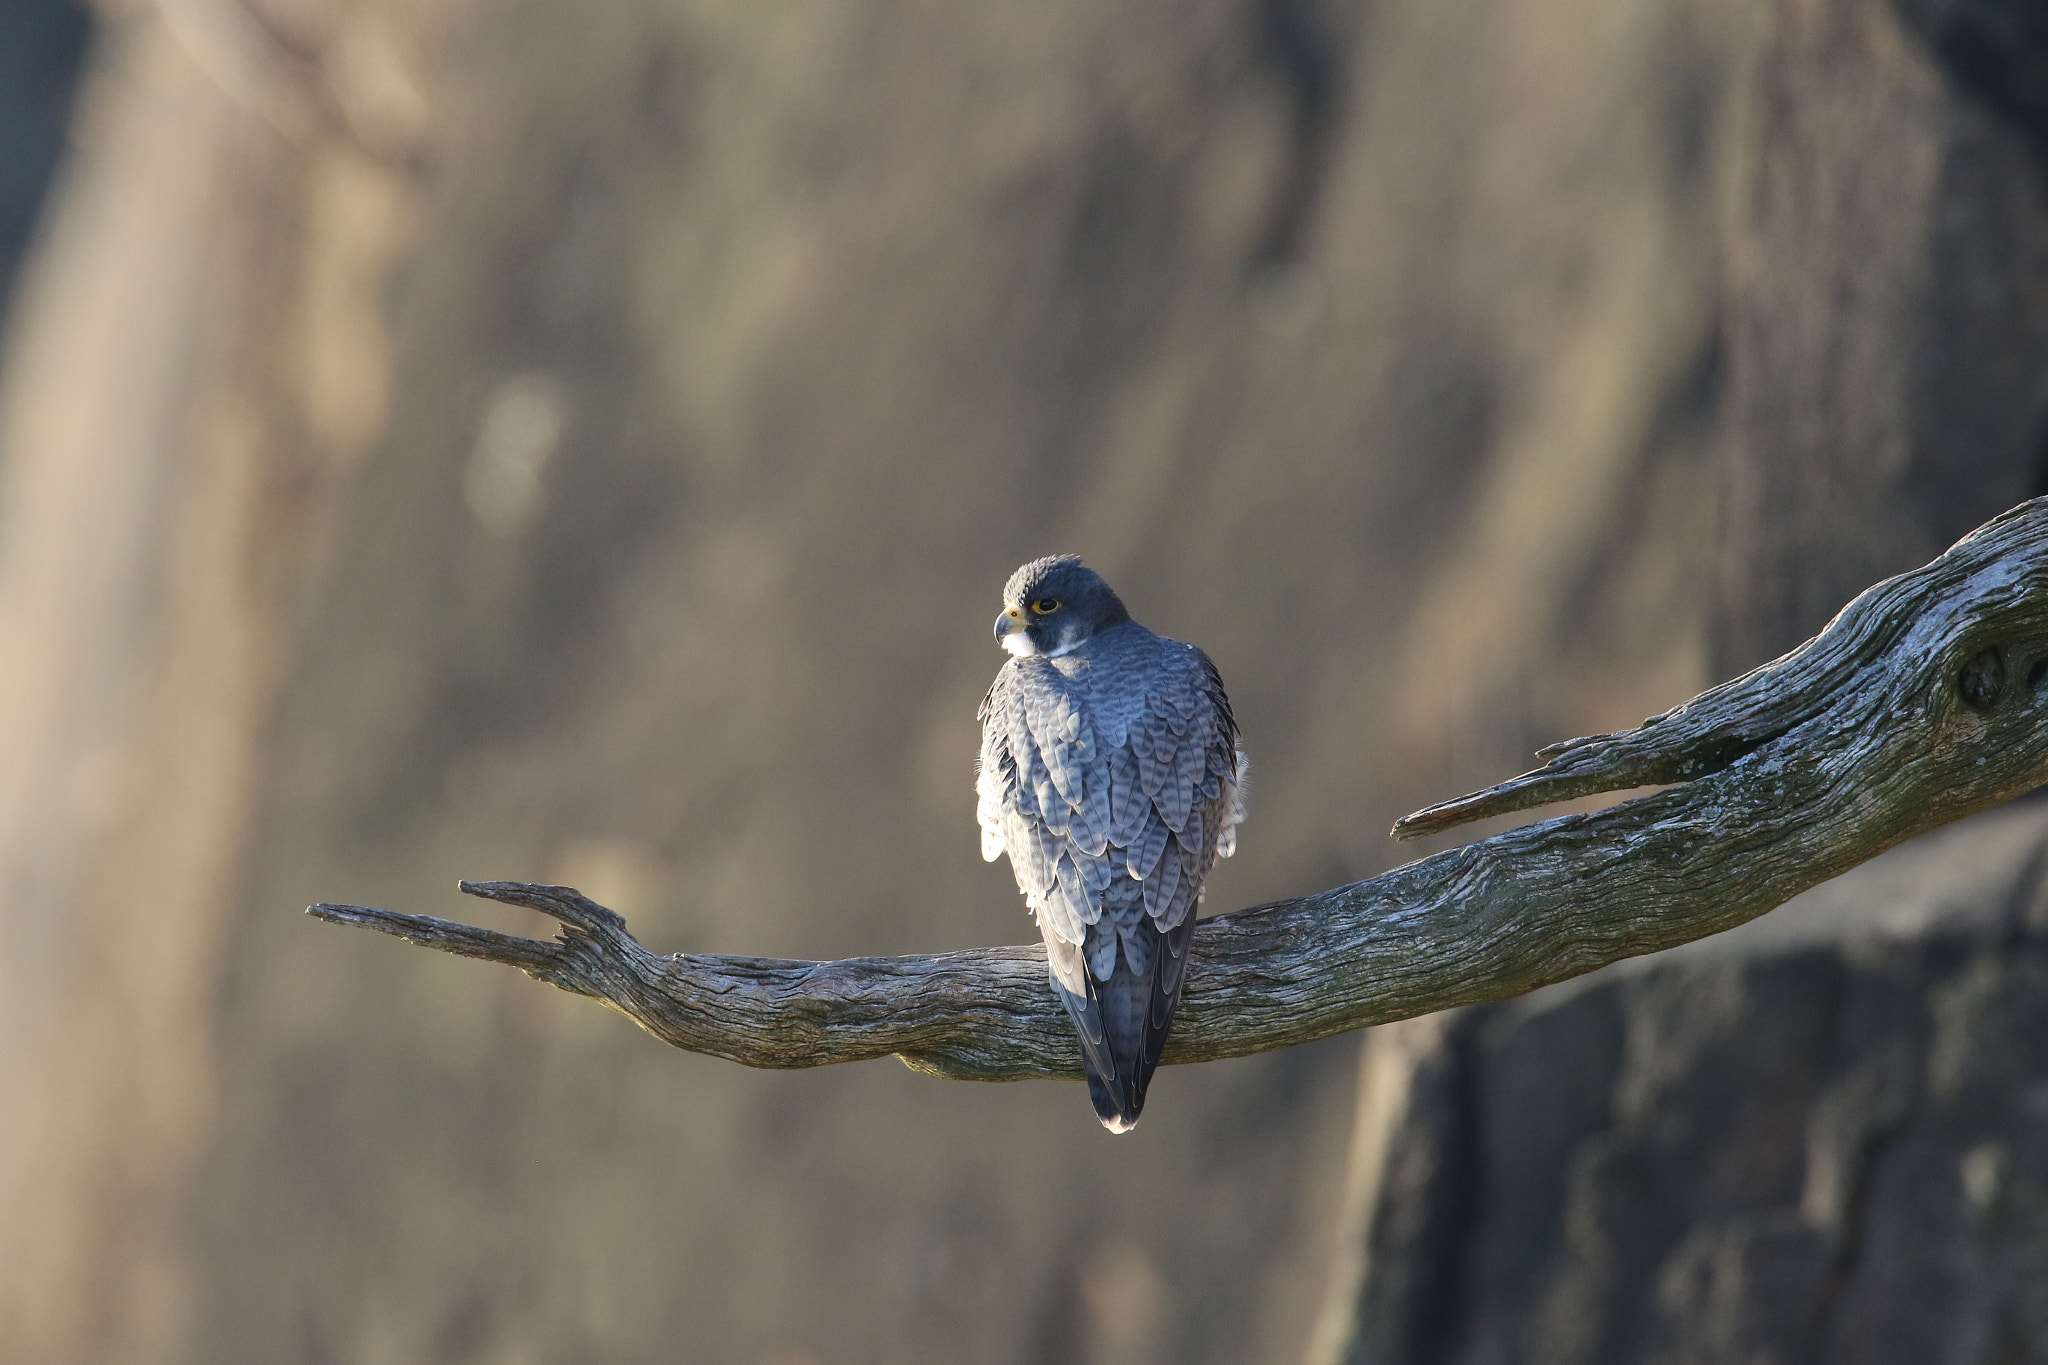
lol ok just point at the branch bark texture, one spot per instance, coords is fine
(1925, 700)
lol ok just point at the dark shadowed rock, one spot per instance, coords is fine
(1799, 1142)
(42, 43)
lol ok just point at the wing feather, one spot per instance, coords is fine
(1143, 855)
(993, 781)
(1128, 804)
(1101, 949)
(1175, 799)
(1161, 885)
(1080, 907)
(1187, 890)
(1095, 820)
(1041, 849)
(1152, 773)
(1172, 955)
(1057, 730)
(1183, 745)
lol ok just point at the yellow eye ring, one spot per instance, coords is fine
(1046, 606)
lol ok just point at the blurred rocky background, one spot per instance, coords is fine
(42, 43)
(583, 443)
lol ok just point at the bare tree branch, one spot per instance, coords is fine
(1922, 702)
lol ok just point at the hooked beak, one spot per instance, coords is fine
(1010, 622)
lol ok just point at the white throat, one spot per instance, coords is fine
(1019, 644)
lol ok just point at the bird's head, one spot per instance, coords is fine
(1053, 604)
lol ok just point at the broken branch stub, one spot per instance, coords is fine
(1924, 700)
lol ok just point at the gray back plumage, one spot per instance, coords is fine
(1111, 777)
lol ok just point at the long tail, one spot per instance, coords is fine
(1123, 1023)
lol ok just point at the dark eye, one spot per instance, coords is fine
(1046, 606)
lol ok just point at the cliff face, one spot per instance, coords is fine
(1887, 304)
(583, 442)
(1817, 1138)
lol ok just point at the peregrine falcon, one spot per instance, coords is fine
(1110, 774)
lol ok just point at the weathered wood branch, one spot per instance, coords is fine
(1926, 699)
